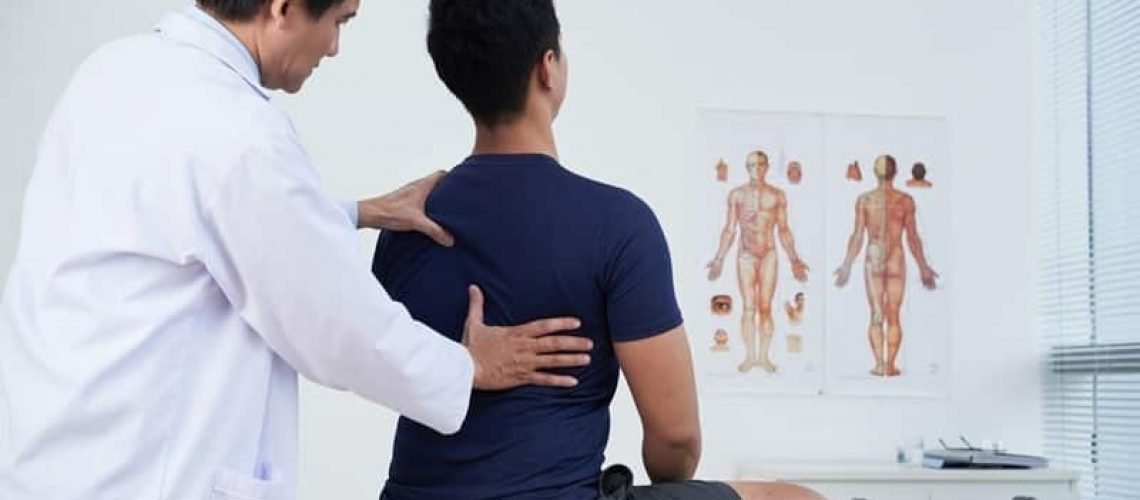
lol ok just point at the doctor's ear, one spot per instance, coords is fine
(279, 10)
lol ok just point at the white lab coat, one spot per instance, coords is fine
(178, 265)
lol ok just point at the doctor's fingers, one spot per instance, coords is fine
(550, 380)
(560, 344)
(434, 231)
(547, 361)
(420, 188)
(544, 327)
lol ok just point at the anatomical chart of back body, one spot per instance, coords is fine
(825, 244)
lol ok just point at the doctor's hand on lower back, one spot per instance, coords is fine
(508, 357)
(403, 210)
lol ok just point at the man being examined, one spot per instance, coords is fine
(539, 239)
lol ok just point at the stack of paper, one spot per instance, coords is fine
(957, 458)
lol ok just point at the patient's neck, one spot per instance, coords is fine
(525, 135)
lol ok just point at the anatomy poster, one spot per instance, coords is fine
(763, 254)
(888, 227)
(824, 243)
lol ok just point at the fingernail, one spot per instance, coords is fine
(585, 360)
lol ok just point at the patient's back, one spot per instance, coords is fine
(541, 242)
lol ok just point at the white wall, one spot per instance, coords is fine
(377, 117)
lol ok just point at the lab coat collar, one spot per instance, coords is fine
(192, 28)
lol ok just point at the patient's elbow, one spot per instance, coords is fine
(673, 457)
(688, 439)
(682, 442)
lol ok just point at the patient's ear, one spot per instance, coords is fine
(552, 74)
(551, 71)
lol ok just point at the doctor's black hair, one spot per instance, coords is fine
(244, 10)
(485, 51)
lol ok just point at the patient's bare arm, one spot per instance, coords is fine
(659, 371)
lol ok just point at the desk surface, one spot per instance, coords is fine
(878, 471)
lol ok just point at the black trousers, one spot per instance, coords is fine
(616, 483)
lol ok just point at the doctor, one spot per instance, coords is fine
(179, 264)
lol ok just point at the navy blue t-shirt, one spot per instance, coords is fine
(541, 242)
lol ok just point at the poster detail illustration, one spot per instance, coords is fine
(824, 237)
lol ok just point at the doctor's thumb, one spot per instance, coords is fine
(436, 232)
(475, 306)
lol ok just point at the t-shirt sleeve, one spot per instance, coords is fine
(638, 274)
(382, 259)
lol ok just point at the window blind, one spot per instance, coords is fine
(1088, 240)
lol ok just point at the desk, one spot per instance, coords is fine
(878, 481)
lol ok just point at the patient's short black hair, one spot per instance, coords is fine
(485, 51)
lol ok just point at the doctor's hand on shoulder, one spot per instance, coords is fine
(403, 210)
(504, 357)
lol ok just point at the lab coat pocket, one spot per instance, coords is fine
(229, 485)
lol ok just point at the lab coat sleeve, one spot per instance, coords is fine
(352, 208)
(288, 259)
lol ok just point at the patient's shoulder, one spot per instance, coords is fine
(616, 201)
(395, 251)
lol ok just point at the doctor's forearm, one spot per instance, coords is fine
(304, 289)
